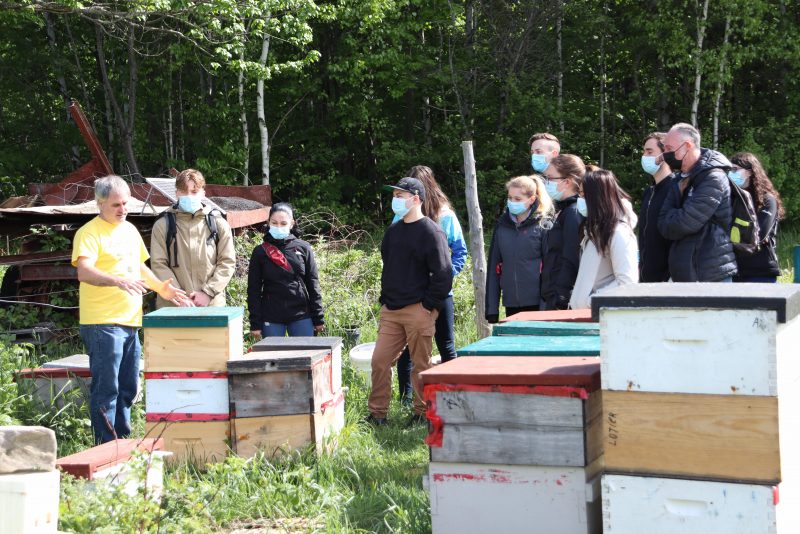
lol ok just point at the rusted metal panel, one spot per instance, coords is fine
(39, 272)
(19, 259)
(240, 219)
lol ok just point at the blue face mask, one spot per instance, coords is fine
(399, 206)
(539, 162)
(552, 190)
(515, 208)
(649, 164)
(279, 232)
(736, 177)
(581, 205)
(189, 204)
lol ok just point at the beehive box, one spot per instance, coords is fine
(471, 498)
(192, 339)
(286, 382)
(580, 316)
(332, 344)
(723, 437)
(634, 504)
(29, 502)
(54, 387)
(195, 442)
(515, 410)
(192, 396)
(278, 434)
(533, 346)
(545, 328)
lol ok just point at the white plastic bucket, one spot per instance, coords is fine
(361, 360)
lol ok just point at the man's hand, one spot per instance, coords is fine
(200, 298)
(319, 328)
(175, 295)
(256, 334)
(133, 287)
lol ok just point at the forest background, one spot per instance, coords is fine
(328, 100)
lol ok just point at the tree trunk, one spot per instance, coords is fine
(170, 136)
(262, 121)
(62, 82)
(243, 120)
(698, 62)
(720, 82)
(476, 250)
(182, 144)
(602, 99)
(560, 52)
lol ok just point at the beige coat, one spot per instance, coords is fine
(201, 266)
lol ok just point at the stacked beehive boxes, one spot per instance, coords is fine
(186, 383)
(509, 445)
(286, 394)
(701, 388)
(563, 343)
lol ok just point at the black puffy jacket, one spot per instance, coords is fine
(274, 294)
(562, 255)
(653, 248)
(698, 222)
(515, 263)
(763, 263)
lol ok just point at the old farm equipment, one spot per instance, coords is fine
(45, 221)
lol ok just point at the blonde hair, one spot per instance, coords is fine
(189, 175)
(534, 185)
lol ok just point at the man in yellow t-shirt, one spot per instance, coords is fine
(109, 255)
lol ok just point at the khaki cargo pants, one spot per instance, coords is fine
(413, 326)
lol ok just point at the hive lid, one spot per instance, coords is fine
(296, 343)
(276, 361)
(218, 316)
(782, 298)
(572, 316)
(545, 328)
(533, 346)
(515, 371)
(86, 463)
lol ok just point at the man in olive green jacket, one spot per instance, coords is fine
(197, 262)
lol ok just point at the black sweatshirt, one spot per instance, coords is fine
(416, 265)
(653, 248)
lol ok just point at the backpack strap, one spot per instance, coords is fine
(211, 222)
(172, 243)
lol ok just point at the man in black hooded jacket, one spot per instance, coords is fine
(697, 212)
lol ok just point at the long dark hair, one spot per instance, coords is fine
(760, 184)
(435, 199)
(604, 207)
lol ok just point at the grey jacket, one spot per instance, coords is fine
(698, 222)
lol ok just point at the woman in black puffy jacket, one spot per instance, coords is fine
(748, 173)
(283, 294)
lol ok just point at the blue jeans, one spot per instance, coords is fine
(299, 328)
(445, 341)
(114, 353)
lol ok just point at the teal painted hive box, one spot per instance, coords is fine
(533, 346)
(545, 328)
(192, 339)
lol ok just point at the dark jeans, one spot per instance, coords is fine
(114, 353)
(299, 328)
(445, 341)
(512, 311)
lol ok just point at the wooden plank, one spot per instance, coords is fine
(276, 361)
(509, 410)
(593, 427)
(689, 351)
(697, 436)
(86, 463)
(192, 349)
(194, 442)
(467, 498)
(580, 316)
(545, 328)
(198, 317)
(783, 299)
(533, 346)
(667, 506)
(273, 435)
(574, 371)
(297, 343)
(263, 394)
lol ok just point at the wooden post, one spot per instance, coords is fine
(475, 239)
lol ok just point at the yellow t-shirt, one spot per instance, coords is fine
(115, 249)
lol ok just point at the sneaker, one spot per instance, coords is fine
(376, 421)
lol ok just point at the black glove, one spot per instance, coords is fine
(492, 317)
(562, 302)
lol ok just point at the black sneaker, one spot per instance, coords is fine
(376, 421)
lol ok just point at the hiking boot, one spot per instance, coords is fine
(376, 421)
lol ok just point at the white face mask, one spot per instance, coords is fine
(399, 206)
(581, 205)
(190, 203)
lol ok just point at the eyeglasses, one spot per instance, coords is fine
(547, 179)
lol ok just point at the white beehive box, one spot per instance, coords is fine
(29, 502)
(187, 396)
(475, 498)
(632, 505)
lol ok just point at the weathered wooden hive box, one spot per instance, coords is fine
(284, 399)
(186, 355)
(514, 443)
(700, 381)
(332, 344)
(545, 328)
(533, 345)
